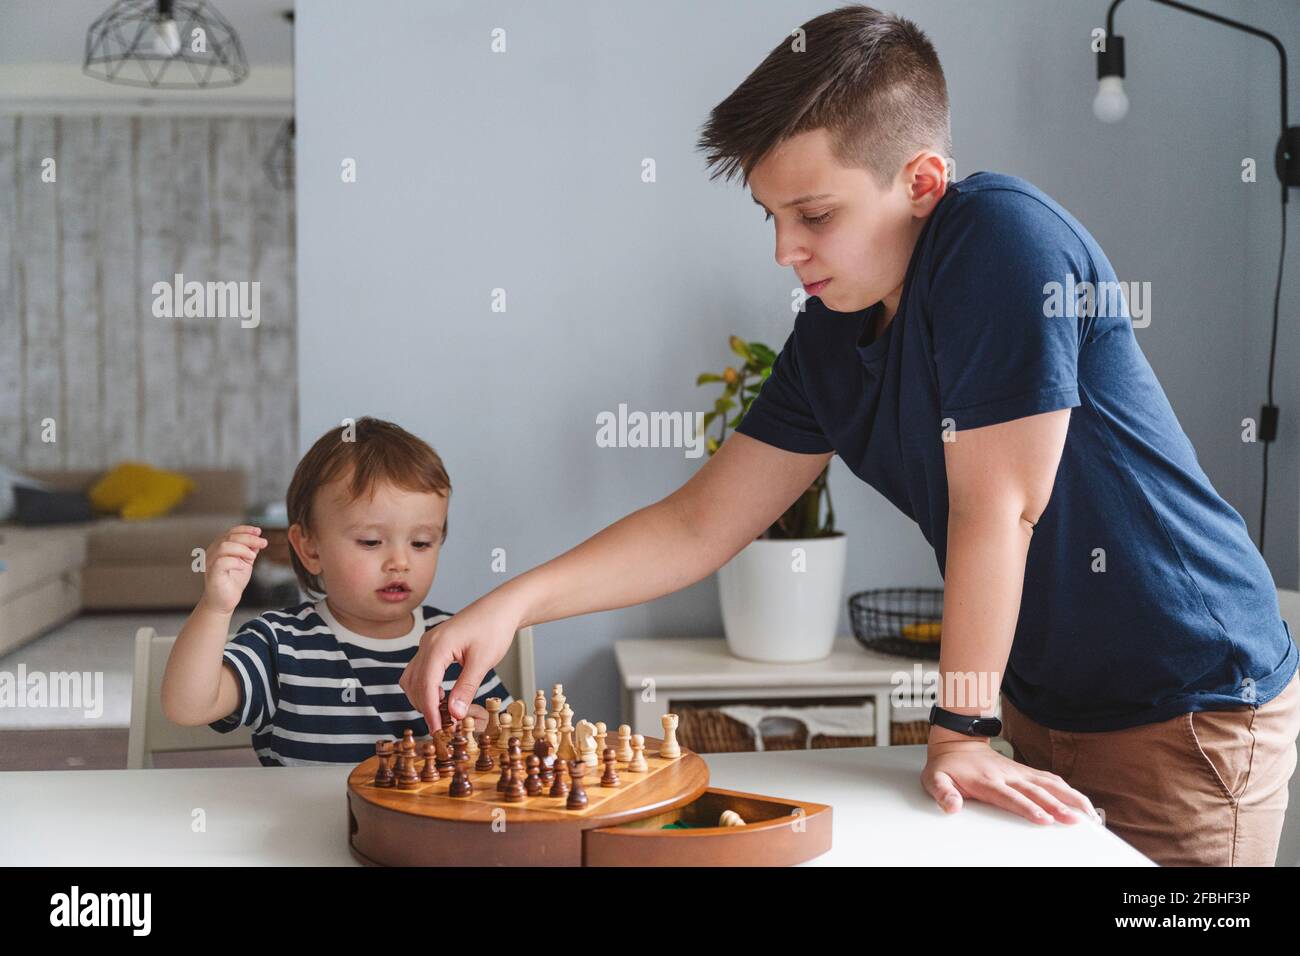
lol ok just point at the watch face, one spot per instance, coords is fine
(987, 727)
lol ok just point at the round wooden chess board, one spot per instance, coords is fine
(424, 826)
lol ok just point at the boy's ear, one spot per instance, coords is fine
(305, 547)
(927, 181)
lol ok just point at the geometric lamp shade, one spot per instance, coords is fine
(165, 44)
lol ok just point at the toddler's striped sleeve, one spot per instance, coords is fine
(251, 654)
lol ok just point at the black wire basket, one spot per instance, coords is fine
(904, 622)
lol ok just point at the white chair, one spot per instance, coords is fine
(151, 732)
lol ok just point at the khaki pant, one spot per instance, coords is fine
(1205, 788)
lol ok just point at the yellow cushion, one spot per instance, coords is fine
(116, 488)
(164, 492)
(137, 491)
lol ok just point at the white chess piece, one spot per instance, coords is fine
(670, 750)
(638, 763)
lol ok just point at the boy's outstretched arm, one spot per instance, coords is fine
(662, 548)
(1000, 478)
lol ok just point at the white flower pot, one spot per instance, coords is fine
(781, 599)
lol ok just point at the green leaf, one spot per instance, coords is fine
(762, 353)
(708, 420)
(706, 377)
(735, 421)
(723, 405)
(739, 347)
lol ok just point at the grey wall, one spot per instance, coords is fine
(522, 171)
(136, 200)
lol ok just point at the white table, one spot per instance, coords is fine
(657, 671)
(298, 815)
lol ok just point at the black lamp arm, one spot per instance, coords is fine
(1286, 158)
(1236, 25)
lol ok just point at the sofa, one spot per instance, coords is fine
(53, 572)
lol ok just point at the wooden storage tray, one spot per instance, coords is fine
(425, 827)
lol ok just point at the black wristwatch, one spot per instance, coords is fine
(964, 723)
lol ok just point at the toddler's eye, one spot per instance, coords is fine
(367, 543)
(423, 545)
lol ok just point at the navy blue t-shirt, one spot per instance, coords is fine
(1144, 597)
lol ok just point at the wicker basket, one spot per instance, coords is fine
(704, 729)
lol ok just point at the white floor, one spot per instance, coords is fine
(95, 643)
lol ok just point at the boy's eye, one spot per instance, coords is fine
(367, 543)
(423, 545)
(811, 220)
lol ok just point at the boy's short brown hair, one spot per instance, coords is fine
(871, 79)
(373, 451)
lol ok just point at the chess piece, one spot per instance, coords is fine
(567, 750)
(516, 712)
(515, 785)
(539, 712)
(384, 770)
(484, 761)
(493, 705)
(557, 699)
(408, 777)
(624, 743)
(601, 734)
(730, 818)
(503, 782)
(589, 751)
(442, 746)
(610, 778)
(430, 772)
(460, 782)
(471, 738)
(505, 729)
(638, 763)
(560, 786)
(527, 741)
(534, 782)
(547, 757)
(670, 750)
(578, 794)
(553, 734)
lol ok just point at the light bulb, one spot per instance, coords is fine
(1111, 103)
(166, 37)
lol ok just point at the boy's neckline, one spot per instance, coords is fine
(347, 636)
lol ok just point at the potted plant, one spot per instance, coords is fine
(781, 593)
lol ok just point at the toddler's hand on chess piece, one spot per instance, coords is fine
(477, 637)
(229, 566)
(971, 769)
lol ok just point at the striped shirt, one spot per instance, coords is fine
(316, 693)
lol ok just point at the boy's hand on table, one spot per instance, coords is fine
(971, 769)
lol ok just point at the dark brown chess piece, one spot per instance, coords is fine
(578, 794)
(610, 778)
(442, 740)
(384, 771)
(484, 762)
(560, 785)
(430, 772)
(407, 776)
(534, 782)
(544, 754)
(515, 785)
(504, 779)
(460, 783)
